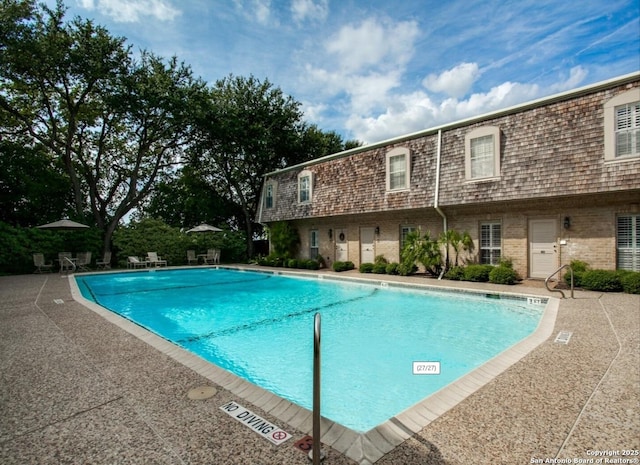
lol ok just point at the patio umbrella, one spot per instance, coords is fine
(204, 228)
(63, 225)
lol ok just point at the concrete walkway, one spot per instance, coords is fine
(78, 389)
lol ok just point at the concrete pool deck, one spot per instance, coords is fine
(77, 388)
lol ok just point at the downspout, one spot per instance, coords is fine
(437, 193)
(261, 199)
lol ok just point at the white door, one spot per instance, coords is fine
(367, 252)
(543, 259)
(342, 251)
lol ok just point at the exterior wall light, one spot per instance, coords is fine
(330, 233)
(567, 222)
(377, 230)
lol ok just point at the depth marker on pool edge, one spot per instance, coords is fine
(258, 424)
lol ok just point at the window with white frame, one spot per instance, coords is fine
(404, 232)
(622, 126)
(482, 153)
(490, 243)
(269, 195)
(314, 244)
(628, 242)
(305, 186)
(398, 165)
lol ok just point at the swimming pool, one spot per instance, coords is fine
(259, 326)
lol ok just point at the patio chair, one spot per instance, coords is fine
(154, 260)
(40, 264)
(67, 262)
(212, 257)
(105, 263)
(83, 261)
(135, 262)
(191, 257)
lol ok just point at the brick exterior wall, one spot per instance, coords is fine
(551, 167)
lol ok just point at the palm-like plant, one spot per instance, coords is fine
(459, 242)
(423, 250)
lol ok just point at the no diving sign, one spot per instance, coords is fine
(256, 423)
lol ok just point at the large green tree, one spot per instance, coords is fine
(117, 124)
(249, 128)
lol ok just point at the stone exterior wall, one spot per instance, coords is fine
(552, 166)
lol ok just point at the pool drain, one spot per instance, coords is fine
(201, 392)
(563, 337)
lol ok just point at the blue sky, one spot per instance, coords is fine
(375, 69)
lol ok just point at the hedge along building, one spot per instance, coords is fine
(541, 184)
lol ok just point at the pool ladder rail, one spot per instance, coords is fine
(546, 281)
(316, 454)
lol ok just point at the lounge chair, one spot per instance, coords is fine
(40, 264)
(191, 257)
(135, 262)
(105, 263)
(212, 257)
(83, 261)
(154, 260)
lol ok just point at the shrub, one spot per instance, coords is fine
(602, 280)
(392, 268)
(366, 268)
(503, 275)
(292, 263)
(455, 273)
(477, 273)
(406, 269)
(310, 264)
(630, 281)
(579, 267)
(380, 260)
(343, 266)
(379, 268)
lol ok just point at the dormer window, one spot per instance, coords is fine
(398, 167)
(270, 195)
(482, 153)
(305, 186)
(622, 126)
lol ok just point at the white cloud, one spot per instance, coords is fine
(128, 11)
(308, 9)
(416, 111)
(373, 43)
(577, 76)
(454, 82)
(256, 10)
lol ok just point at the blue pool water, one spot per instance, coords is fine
(260, 327)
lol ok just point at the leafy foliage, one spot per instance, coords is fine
(366, 268)
(477, 273)
(602, 280)
(343, 266)
(116, 125)
(630, 281)
(579, 268)
(503, 275)
(284, 239)
(423, 250)
(151, 235)
(19, 245)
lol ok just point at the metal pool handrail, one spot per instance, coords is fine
(546, 281)
(316, 454)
